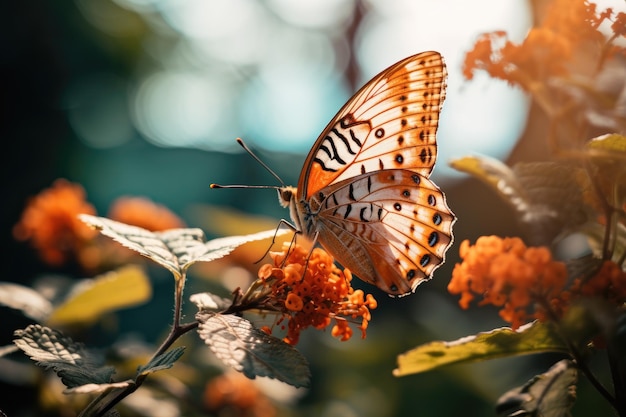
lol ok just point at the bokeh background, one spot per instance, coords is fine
(146, 98)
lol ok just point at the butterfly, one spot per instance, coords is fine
(364, 191)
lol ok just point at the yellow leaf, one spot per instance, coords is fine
(127, 287)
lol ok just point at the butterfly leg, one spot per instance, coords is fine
(293, 239)
(306, 263)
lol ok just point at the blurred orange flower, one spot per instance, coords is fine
(144, 213)
(232, 394)
(316, 297)
(568, 37)
(50, 222)
(609, 283)
(510, 275)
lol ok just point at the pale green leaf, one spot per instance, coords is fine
(551, 394)
(531, 338)
(52, 350)
(614, 144)
(210, 302)
(248, 350)
(175, 249)
(545, 196)
(25, 299)
(98, 388)
(163, 361)
(8, 349)
(90, 299)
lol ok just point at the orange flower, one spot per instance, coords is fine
(609, 283)
(565, 39)
(232, 394)
(142, 212)
(312, 291)
(510, 275)
(50, 222)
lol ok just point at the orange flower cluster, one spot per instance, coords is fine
(232, 394)
(510, 275)
(50, 222)
(314, 296)
(609, 283)
(144, 213)
(570, 28)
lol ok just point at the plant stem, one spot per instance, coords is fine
(177, 331)
(618, 368)
(578, 357)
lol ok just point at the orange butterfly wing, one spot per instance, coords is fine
(398, 109)
(364, 190)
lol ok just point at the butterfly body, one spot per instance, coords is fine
(364, 191)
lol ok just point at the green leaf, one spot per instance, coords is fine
(611, 143)
(551, 394)
(98, 388)
(163, 361)
(8, 349)
(210, 302)
(531, 338)
(25, 299)
(545, 196)
(175, 249)
(90, 299)
(51, 350)
(239, 345)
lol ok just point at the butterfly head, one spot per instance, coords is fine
(286, 195)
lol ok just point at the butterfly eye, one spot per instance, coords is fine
(285, 195)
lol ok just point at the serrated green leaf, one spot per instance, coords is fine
(531, 338)
(52, 350)
(210, 302)
(493, 173)
(90, 299)
(551, 394)
(175, 249)
(8, 349)
(582, 322)
(556, 204)
(97, 388)
(611, 143)
(163, 361)
(246, 349)
(545, 196)
(608, 155)
(25, 299)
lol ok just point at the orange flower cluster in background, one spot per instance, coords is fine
(232, 394)
(144, 213)
(609, 283)
(570, 29)
(526, 282)
(510, 275)
(50, 223)
(312, 291)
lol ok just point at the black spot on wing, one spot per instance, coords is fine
(348, 210)
(433, 239)
(351, 193)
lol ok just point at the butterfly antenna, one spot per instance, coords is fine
(256, 158)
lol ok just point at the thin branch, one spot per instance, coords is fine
(577, 356)
(618, 373)
(175, 333)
